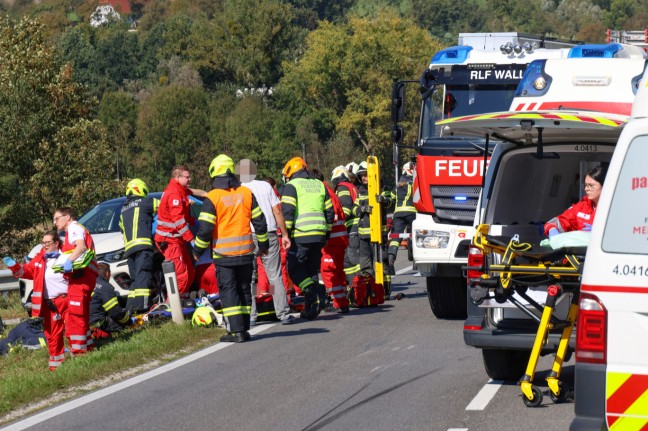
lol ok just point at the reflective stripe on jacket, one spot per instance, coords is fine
(88, 261)
(225, 222)
(339, 236)
(136, 223)
(174, 217)
(305, 204)
(404, 202)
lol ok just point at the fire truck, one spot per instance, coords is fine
(479, 75)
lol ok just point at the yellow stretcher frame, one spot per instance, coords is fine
(502, 277)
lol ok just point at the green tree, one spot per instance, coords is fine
(75, 168)
(343, 81)
(37, 99)
(118, 112)
(172, 126)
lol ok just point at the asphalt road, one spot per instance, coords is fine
(395, 367)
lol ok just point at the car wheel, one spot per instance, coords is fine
(447, 297)
(503, 364)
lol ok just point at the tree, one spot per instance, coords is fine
(37, 100)
(118, 113)
(343, 81)
(173, 124)
(75, 168)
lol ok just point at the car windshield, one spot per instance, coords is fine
(102, 218)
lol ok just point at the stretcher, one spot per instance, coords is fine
(520, 267)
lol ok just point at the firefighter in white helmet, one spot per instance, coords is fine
(404, 212)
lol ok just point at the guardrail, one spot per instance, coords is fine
(7, 281)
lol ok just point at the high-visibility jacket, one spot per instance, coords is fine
(404, 203)
(347, 194)
(104, 303)
(339, 236)
(86, 260)
(225, 223)
(307, 208)
(136, 223)
(174, 217)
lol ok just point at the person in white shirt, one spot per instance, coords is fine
(49, 295)
(271, 208)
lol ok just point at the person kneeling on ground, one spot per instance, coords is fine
(106, 315)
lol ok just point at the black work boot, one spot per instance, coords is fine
(311, 304)
(233, 337)
(390, 265)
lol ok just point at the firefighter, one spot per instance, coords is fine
(404, 213)
(80, 269)
(106, 315)
(224, 224)
(172, 235)
(332, 265)
(136, 223)
(49, 295)
(308, 212)
(347, 192)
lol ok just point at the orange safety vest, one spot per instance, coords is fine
(232, 235)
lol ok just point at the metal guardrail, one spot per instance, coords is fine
(7, 281)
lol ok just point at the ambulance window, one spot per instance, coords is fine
(626, 229)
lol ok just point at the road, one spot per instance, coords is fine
(395, 367)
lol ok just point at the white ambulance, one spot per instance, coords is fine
(612, 333)
(535, 173)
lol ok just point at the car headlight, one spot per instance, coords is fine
(431, 238)
(113, 256)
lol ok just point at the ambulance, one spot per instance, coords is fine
(535, 173)
(611, 373)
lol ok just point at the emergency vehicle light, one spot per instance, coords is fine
(460, 198)
(591, 81)
(595, 51)
(452, 55)
(535, 82)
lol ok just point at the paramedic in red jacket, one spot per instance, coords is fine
(332, 265)
(172, 235)
(80, 269)
(580, 216)
(49, 295)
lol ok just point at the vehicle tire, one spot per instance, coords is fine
(503, 364)
(410, 252)
(447, 296)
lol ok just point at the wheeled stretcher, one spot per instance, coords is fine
(512, 267)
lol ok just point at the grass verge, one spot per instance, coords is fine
(26, 382)
(10, 306)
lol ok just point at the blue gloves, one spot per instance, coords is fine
(52, 255)
(587, 227)
(553, 232)
(9, 262)
(67, 266)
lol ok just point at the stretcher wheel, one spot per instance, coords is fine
(564, 395)
(536, 400)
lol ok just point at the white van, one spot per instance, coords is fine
(611, 374)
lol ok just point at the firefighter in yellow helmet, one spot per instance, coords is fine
(224, 226)
(308, 211)
(136, 224)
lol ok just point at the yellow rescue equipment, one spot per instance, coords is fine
(376, 224)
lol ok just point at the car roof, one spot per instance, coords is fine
(120, 199)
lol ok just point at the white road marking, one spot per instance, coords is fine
(404, 270)
(457, 429)
(78, 402)
(485, 395)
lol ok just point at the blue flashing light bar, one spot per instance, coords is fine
(460, 198)
(452, 55)
(595, 51)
